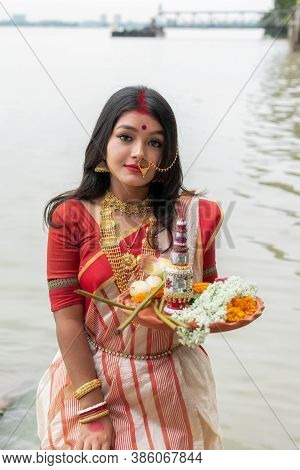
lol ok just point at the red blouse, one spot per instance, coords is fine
(73, 251)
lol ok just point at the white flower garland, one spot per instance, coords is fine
(210, 307)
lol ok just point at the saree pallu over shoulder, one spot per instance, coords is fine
(161, 395)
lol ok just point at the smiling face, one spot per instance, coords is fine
(135, 135)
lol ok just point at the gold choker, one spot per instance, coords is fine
(130, 208)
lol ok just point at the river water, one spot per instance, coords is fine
(236, 96)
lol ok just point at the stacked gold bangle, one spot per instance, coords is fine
(94, 412)
(93, 417)
(86, 388)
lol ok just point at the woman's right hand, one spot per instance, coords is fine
(97, 435)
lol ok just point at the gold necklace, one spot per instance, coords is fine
(131, 261)
(131, 208)
(123, 265)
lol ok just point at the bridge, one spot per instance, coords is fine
(219, 19)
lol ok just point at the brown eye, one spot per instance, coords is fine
(159, 144)
(124, 135)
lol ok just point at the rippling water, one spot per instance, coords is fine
(236, 96)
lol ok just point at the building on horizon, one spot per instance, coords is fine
(103, 19)
(19, 19)
(117, 20)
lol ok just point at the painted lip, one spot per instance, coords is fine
(133, 168)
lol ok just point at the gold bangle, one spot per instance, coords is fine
(86, 388)
(91, 418)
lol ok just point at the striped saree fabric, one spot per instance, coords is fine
(161, 395)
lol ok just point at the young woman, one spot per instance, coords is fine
(139, 389)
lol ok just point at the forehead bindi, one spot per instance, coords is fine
(135, 126)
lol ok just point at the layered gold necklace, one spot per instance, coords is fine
(130, 208)
(123, 264)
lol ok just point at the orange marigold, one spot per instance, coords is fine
(239, 307)
(159, 293)
(200, 287)
(234, 314)
(138, 298)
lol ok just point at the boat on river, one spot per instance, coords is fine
(149, 31)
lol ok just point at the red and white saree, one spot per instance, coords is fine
(164, 402)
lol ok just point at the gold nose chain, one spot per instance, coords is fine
(144, 165)
(123, 264)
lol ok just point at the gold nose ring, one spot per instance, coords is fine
(144, 166)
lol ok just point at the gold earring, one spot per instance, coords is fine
(102, 167)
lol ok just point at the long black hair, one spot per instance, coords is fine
(165, 188)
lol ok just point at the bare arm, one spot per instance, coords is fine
(79, 363)
(76, 352)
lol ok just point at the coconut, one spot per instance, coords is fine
(139, 287)
(153, 281)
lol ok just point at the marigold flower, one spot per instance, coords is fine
(159, 293)
(239, 307)
(138, 298)
(200, 287)
(234, 314)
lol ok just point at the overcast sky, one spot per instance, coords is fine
(129, 9)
